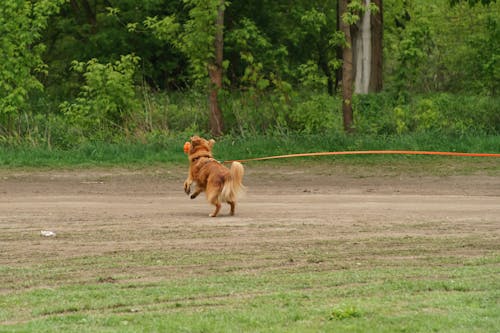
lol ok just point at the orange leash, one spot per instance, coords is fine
(368, 152)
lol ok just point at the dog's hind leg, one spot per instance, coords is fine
(232, 204)
(213, 198)
(217, 209)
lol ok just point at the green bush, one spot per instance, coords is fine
(319, 113)
(111, 117)
(384, 114)
(107, 100)
(21, 25)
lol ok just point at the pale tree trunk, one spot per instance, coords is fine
(367, 41)
(215, 73)
(347, 69)
(363, 52)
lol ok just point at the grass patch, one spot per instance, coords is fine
(169, 150)
(413, 300)
(94, 154)
(195, 291)
(345, 312)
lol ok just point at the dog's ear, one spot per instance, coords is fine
(211, 143)
(195, 141)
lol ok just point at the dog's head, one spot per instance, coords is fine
(200, 147)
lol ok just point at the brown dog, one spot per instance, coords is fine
(219, 183)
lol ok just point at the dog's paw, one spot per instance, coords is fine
(194, 195)
(187, 188)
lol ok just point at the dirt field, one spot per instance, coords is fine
(102, 211)
(132, 248)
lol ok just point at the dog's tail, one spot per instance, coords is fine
(234, 183)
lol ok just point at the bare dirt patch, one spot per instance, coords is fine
(290, 216)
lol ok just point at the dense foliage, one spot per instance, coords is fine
(105, 70)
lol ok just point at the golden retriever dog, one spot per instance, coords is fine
(219, 183)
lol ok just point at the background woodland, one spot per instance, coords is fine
(101, 70)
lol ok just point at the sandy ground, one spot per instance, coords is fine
(99, 211)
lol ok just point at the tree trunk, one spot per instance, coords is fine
(90, 13)
(215, 73)
(363, 52)
(347, 70)
(338, 48)
(367, 41)
(377, 23)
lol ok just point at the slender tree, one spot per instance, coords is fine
(361, 23)
(88, 10)
(345, 21)
(367, 46)
(215, 72)
(377, 25)
(200, 39)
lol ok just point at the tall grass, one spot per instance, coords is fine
(250, 115)
(168, 150)
(255, 125)
(94, 154)
(297, 143)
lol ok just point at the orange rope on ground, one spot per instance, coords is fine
(368, 152)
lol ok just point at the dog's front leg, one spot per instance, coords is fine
(187, 185)
(196, 193)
